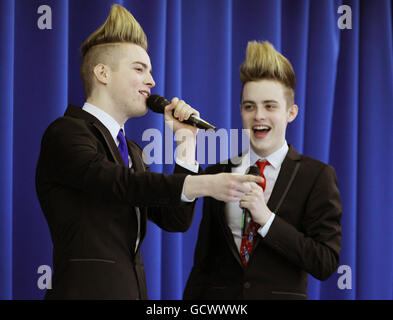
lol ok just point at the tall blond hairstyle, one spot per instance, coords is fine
(102, 46)
(263, 61)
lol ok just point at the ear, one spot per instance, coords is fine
(292, 113)
(102, 73)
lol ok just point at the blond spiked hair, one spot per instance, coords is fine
(120, 27)
(263, 61)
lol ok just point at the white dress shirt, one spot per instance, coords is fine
(233, 212)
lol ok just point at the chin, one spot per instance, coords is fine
(139, 112)
(143, 112)
(261, 148)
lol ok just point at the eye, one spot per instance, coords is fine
(269, 106)
(138, 69)
(248, 107)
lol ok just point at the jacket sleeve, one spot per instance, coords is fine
(69, 156)
(175, 218)
(317, 248)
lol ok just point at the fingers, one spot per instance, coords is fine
(182, 111)
(243, 204)
(240, 187)
(234, 196)
(239, 190)
(170, 107)
(235, 191)
(232, 187)
(255, 186)
(248, 197)
(252, 200)
(249, 178)
(244, 184)
(255, 194)
(179, 105)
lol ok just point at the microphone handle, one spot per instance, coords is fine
(199, 123)
(188, 121)
(158, 103)
(245, 221)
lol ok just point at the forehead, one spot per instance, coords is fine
(264, 90)
(134, 53)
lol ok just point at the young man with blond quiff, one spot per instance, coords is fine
(95, 190)
(294, 226)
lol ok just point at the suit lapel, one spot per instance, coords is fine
(284, 180)
(221, 213)
(77, 112)
(136, 159)
(109, 142)
(288, 171)
(138, 166)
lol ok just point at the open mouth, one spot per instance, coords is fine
(260, 131)
(144, 93)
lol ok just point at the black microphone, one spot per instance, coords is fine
(254, 170)
(157, 104)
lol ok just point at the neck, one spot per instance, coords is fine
(265, 154)
(107, 105)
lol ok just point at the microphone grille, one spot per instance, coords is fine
(157, 103)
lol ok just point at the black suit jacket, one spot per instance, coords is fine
(88, 197)
(305, 237)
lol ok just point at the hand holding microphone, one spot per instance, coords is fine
(254, 204)
(246, 215)
(177, 115)
(180, 110)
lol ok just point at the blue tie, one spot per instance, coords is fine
(123, 146)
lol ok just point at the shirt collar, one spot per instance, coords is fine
(275, 159)
(111, 124)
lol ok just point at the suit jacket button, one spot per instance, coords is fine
(247, 285)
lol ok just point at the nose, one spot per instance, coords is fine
(259, 113)
(149, 81)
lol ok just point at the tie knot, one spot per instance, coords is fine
(262, 164)
(120, 135)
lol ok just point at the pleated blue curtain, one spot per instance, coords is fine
(6, 137)
(344, 92)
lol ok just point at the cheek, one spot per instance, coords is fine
(129, 89)
(247, 120)
(134, 82)
(279, 120)
(120, 86)
(129, 83)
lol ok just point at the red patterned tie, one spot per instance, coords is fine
(248, 239)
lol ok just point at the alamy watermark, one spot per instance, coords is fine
(345, 20)
(45, 280)
(211, 146)
(44, 22)
(344, 281)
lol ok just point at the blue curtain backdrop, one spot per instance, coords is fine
(344, 91)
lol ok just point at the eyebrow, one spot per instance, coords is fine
(144, 65)
(265, 101)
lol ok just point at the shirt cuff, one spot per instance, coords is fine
(265, 229)
(183, 197)
(189, 166)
